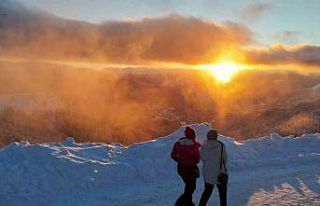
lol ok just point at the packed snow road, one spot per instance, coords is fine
(272, 170)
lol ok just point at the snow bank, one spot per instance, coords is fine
(69, 173)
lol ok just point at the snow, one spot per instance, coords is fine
(271, 170)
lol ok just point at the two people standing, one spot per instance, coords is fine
(214, 157)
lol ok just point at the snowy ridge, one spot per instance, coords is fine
(269, 170)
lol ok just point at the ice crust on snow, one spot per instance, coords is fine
(70, 173)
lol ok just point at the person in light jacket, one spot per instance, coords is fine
(210, 155)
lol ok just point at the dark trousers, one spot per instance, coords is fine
(186, 197)
(208, 188)
(189, 175)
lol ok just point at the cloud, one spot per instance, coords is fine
(254, 11)
(171, 38)
(167, 39)
(286, 36)
(304, 55)
(11, 5)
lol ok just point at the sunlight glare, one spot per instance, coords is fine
(223, 72)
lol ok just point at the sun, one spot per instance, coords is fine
(223, 72)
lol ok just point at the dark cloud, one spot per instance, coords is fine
(11, 5)
(305, 54)
(171, 38)
(254, 11)
(167, 39)
(286, 36)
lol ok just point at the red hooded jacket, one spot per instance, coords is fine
(186, 149)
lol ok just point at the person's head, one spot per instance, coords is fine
(212, 135)
(190, 133)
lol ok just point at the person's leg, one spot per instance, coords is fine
(208, 188)
(222, 194)
(189, 189)
(190, 182)
(182, 199)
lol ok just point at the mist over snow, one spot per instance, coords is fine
(265, 171)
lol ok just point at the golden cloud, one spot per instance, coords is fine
(172, 38)
(167, 39)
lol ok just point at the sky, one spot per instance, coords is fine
(288, 22)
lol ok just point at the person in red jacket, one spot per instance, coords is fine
(186, 153)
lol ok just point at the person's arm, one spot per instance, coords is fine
(174, 153)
